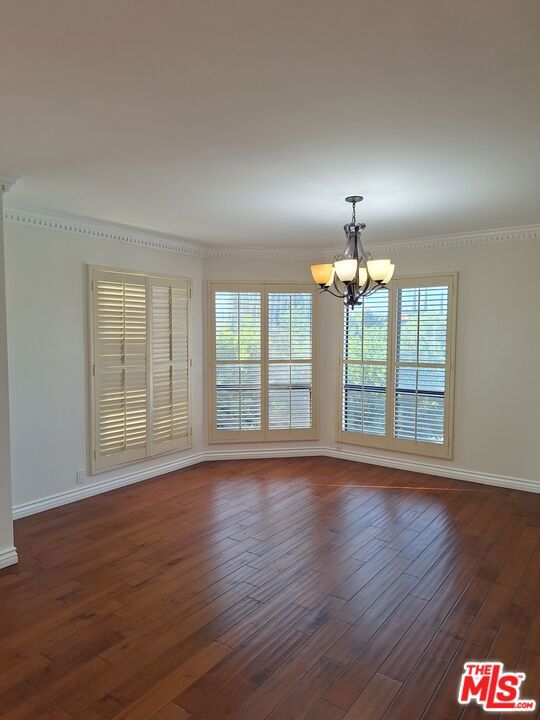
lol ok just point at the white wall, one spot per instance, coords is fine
(47, 330)
(7, 551)
(498, 354)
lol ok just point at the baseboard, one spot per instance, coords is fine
(96, 488)
(448, 471)
(8, 557)
(261, 453)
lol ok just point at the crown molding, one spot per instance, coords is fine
(6, 182)
(478, 237)
(103, 229)
(484, 237)
(266, 253)
(65, 222)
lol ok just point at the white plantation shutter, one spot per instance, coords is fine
(365, 353)
(290, 373)
(397, 375)
(237, 379)
(422, 364)
(261, 363)
(140, 367)
(120, 341)
(170, 417)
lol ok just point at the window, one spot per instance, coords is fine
(261, 348)
(140, 366)
(397, 367)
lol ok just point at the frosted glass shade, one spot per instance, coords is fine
(332, 276)
(362, 276)
(378, 269)
(323, 274)
(346, 269)
(389, 275)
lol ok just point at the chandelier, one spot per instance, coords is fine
(353, 275)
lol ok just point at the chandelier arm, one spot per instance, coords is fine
(339, 285)
(363, 289)
(333, 293)
(363, 255)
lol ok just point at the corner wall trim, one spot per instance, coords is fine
(8, 556)
(80, 493)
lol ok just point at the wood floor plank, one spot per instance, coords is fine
(325, 711)
(163, 692)
(235, 678)
(365, 665)
(414, 695)
(171, 712)
(280, 683)
(375, 699)
(305, 695)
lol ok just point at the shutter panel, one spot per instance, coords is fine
(120, 384)
(421, 364)
(237, 355)
(170, 417)
(141, 392)
(365, 352)
(290, 354)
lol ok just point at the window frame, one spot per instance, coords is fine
(91, 271)
(388, 441)
(265, 434)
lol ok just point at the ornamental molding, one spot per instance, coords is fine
(103, 229)
(479, 237)
(266, 253)
(140, 237)
(484, 237)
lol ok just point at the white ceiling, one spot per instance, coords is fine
(246, 122)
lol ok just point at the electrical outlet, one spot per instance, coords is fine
(80, 477)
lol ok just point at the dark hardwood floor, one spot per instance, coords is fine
(282, 589)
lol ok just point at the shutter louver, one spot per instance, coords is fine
(120, 322)
(365, 342)
(170, 365)
(290, 381)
